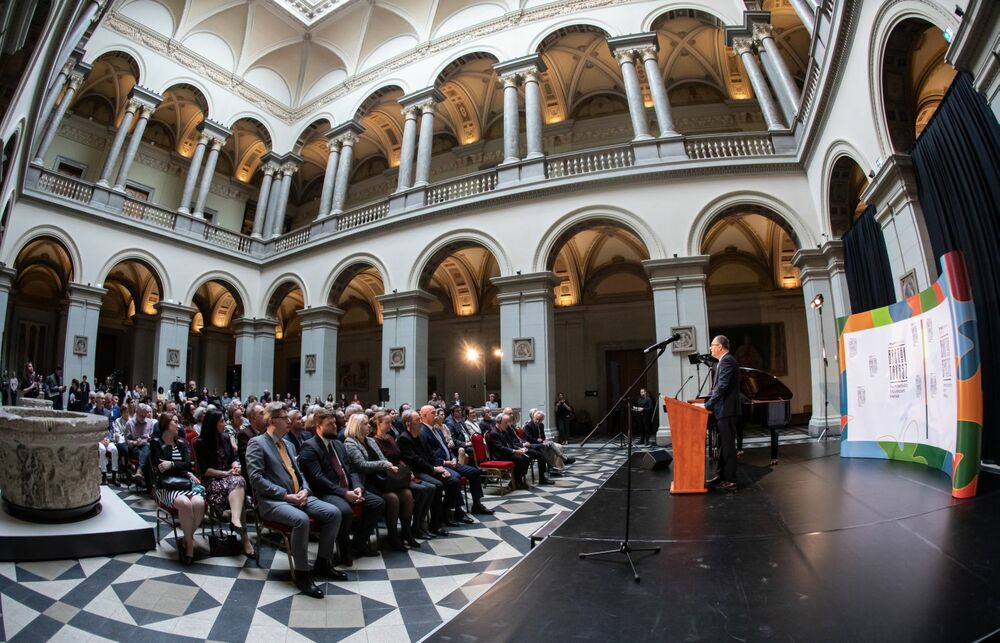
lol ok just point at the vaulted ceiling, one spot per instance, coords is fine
(749, 252)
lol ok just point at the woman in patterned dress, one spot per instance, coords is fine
(170, 455)
(220, 467)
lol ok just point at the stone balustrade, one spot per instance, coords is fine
(462, 187)
(588, 161)
(363, 215)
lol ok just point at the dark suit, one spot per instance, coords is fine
(645, 417)
(724, 402)
(320, 470)
(443, 453)
(54, 383)
(419, 455)
(271, 483)
(501, 448)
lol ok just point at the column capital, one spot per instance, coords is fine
(633, 44)
(214, 130)
(409, 112)
(333, 146)
(289, 163)
(895, 182)
(623, 56)
(85, 293)
(742, 46)
(256, 326)
(411, 301)
(145, 97)
(80, 71)
(7, 276)
(762, 30)
(214, 332)
(531, 285)
(320, 316)
(812, 264)
(520, 66)
(271, 164)
(509, 79)
(676, 271)
(346, 133)
(421, 97)
(648, 53)
(174, 312)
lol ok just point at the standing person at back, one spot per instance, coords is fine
(724, 402)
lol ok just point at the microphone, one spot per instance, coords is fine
(678, 394)
(661, 345)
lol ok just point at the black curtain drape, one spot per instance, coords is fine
(957, 163)
(869, 276)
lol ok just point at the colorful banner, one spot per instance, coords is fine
(910, 380)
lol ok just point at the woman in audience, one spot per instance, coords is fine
(188, 423)
(170, 457)
(226, 488)
(423, 492)
(365, 456)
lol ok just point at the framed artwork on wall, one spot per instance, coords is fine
(523, 349)
(397, 357)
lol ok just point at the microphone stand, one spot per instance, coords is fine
(624, 546)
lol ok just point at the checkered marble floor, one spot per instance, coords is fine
(395, 597)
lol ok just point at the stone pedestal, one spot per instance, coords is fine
(48, 463)
(34, 403)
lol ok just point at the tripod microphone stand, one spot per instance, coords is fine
(817, 305)
(625, 547)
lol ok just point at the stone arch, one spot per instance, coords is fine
(155, 266)
(120, 47)
(837, 151)
(447, 243)
(234, 285)
(775, 209)
(462, 53)
(889, 16)
(281, 286)
(555, 237)
(56, 234)
(714, 11)
(345, 270)
(197, 84)
(549, 30)
(382, 87)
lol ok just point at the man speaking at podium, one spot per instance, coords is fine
(724, 402)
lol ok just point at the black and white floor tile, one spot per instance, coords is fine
(394, 597)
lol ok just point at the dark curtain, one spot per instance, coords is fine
(957, 163)
(869, 276)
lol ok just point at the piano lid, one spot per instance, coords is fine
(760, 386)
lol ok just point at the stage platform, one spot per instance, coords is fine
(818, 548)
(117, 529)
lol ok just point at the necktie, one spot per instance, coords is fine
(288, 465)
(337, 466)
(440, 436)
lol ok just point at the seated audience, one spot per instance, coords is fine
(504, 444)
(170, 456)
(534, 435)
(434, 432)
(419, 456)
(423, 492)
(220, 470)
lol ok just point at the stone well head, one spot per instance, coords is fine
(49, 463)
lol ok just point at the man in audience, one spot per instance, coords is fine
(398, 427)
(139, 431)
(460, 437)
(324, 461)
(283, 496)
(534, 435)
(501, 447)
(250, 430)
(510, 434)
(443, 457)
(297, 433)
(419, 456)
(56, 388)
(492, 402)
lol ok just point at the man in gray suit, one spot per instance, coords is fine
(283, 496)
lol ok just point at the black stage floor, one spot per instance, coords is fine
(817, 548)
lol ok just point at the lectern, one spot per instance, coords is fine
(687, 431)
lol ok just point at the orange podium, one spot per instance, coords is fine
(687, 431)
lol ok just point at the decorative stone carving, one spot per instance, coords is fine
(48, 463)
(69, 131)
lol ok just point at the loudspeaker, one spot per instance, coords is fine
(655, 459)
(383, 395)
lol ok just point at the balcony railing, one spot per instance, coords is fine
(150, 213)
(66, 187)
(363, 215)
(221, 237)
(600, 160)
(726, 146)
(462, 187)
(293, 239)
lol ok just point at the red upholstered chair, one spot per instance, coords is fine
(498, 473)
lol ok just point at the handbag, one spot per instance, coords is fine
(176, 483)
(223, 545)
(390, 481)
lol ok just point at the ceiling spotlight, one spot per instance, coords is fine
(817, 302)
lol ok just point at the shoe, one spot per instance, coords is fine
(555, 473)
(439, 532)
(714, 481)
(420, 533)
(727, 486)
(450, 523)
(324, 567)
(346, 559)
(466, 519)
(569, 460)
(114, 480)
(544, 481)
(481, 510)
(412, 542)
(304, 582)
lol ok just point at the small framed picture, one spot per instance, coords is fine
(311, 363)
(687, 343)
(397, 357)
(523, 349)
(173, 357)
(908, 284)
(80, 344)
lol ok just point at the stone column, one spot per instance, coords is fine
(780, 75)
(52, 93)
(806, 10)
(527, 313)
(215, 352)
(893, 192)
(347, 134)
(289, 166)
(255, 354)
(426, 143)
(143, 336)
(408, 147)
(192, 175)
(679, 300)
(148, 102)
(661, 102)
(83, 312)
(633, 92)
(119, 140)
(744, 49)
(815, 274)
(260, 215)
(510, 120)
(404, 346)
(170, 347)
(76, 79)
(533, 112)
(7, 276)
(319, 351)
(329, 177)
(217, 135)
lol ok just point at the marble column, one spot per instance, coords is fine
(426, 143)
(260, 215)
(679, 305)
(319, 351)
(83, 313)
(816, 269)
(744, 48)
(148, 101)
(633, 93)
(170, 347)
(527, 312)
(116, 145)
(143, 336)
(52, 93)
(893, 192)
(408, 148)
(192, 175)
(510, 119)
(329, 178)
(289, 166)
(780, 75)
(347, 134)
(255, 354)
(806, 11)
(404, 346)
(7, 276)
(75, 80)
(215, 356)
(658, 90)
(533, 113)
(207, 174)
